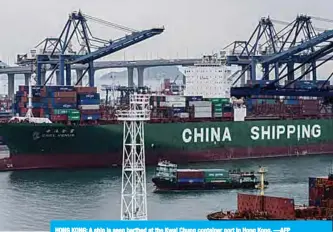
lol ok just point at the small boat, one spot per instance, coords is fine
(169, 178)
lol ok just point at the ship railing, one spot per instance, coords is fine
(133, 115)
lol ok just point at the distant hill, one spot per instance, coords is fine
(150, 74)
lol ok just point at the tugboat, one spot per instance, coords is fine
(261, 207)
(169, 178)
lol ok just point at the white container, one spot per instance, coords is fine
(202, 109)
(89, 107)
(202, 115)
(200, 103)
(182, 115)
(174, 98)
(178, 104)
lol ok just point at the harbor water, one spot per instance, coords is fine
(30, 199)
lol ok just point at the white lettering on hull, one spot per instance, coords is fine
(276, 132)
(289, 131)
(206, 135)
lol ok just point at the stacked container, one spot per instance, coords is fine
(190, 176)
(202, 109)
(21, 101)
(221, 107)
(216, 175)
(57, 100)
(88, 101)
(176, 103)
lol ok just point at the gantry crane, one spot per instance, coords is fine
(59, 55)
(297, 43)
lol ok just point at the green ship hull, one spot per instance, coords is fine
(34, 146)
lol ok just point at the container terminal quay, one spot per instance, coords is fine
(264, 97)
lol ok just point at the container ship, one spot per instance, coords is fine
(169, 178)
(72, 129)
(261, 207)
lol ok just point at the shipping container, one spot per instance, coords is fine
(59, 88)
(190, 180)
(179, 109)
(202, 115)
(214, 180)
(80, 89)
(200, 103)
(90, 117)
(89, 102)
(183, 174)
(194, 98)
(88, 112)
(216, 173)
(89, 107)
(70, 94)
(88, 96)
(202, 109)
(182, 115)
(220, 100)
(175, 98)
(59, 117)
(63, 100)
(74, 117)
(62, 106)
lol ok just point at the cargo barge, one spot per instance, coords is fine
(261, 207)
(202, 123)
(169, 178)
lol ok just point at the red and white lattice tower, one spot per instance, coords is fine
(133, 190)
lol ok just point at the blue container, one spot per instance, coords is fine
(37, 105)
(194, 98)
(20, 93)
(90, 117)
(191, 180)
(63, 106)
(60, 88)
(88, 102)
(178, 109)
(291, 102)
(88, 96)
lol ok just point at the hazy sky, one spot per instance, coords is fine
(191, 27)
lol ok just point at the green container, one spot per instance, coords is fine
(216, 173)
(218, 110)
(73, 113)
(225, 180)
(74, 117)
(220, 100)
(270, 101)
(217, 105)
(60, 111)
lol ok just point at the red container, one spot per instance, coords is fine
(71, 94)
(277, 207)
(227, 114)
(63, 100)
(35, 99)
(21, 104)
(88, 112)
(190, 174)
(86, 89)
(59, 117)
(23, 110)
(23, 99)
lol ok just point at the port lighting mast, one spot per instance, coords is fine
(134, 191)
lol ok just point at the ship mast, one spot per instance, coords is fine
(262, 172)
(133, 190)
(29, 113)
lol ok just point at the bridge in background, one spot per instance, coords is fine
(140, 65)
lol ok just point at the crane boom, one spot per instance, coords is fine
(117, 45)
